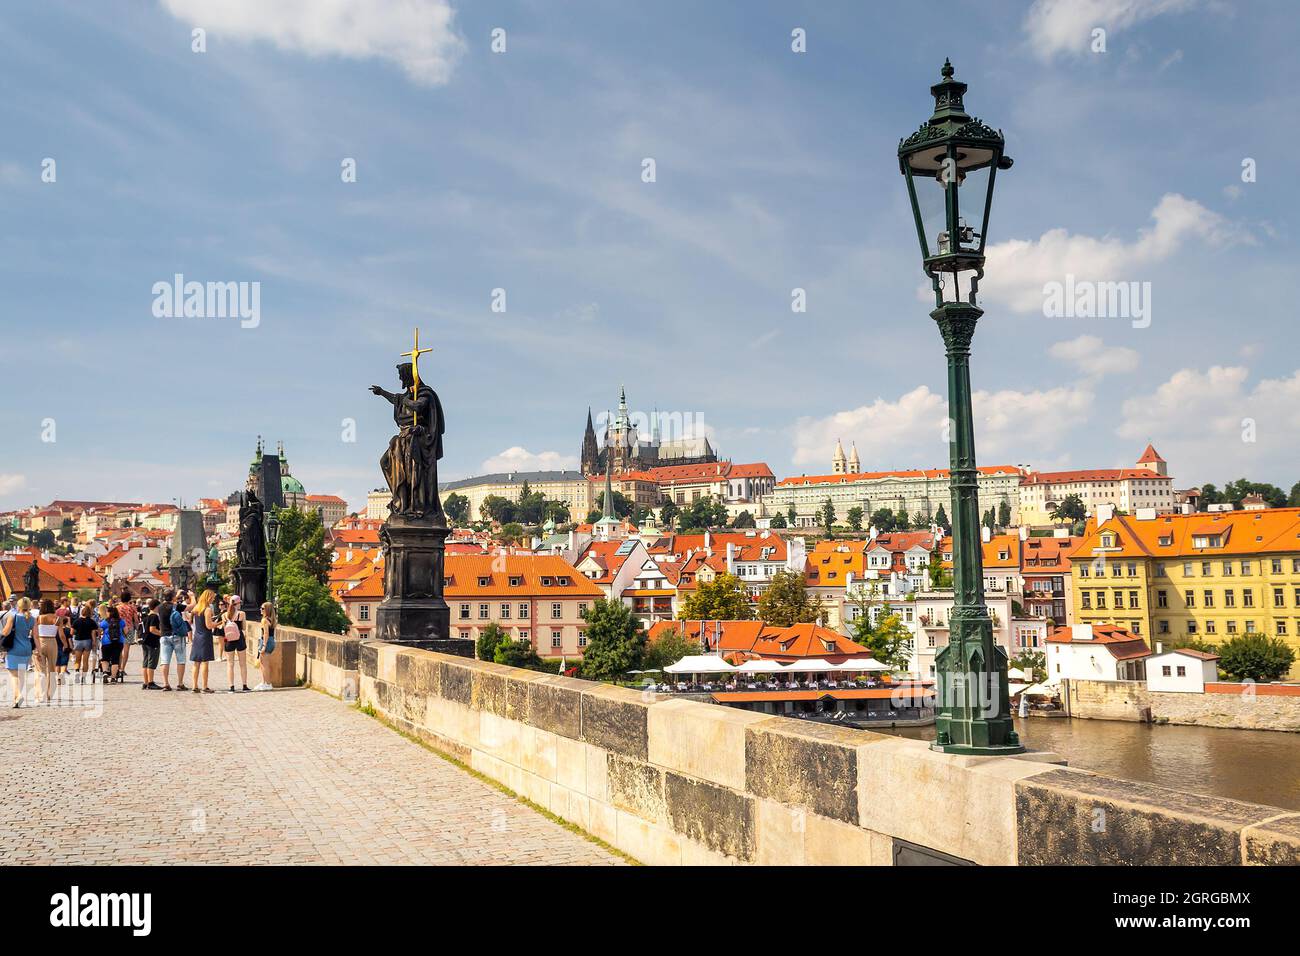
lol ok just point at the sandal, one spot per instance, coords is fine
(198, 690)
(208, 690)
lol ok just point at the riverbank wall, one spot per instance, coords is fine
(1232, 706)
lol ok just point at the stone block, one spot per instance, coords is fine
(715, 817)
(646, 842)
(386, 661)
(701, 740)
(455, 680)
(1273, 843)
(418, 672)
(808, 764)
(368, 662)
(501, 690)
(571, 763)
(555, 704)
(1075, 818)
(637, 787)
(962, 806)
(615, 718)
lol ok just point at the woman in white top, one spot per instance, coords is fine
(47, 650)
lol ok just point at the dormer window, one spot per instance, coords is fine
(546, 582)
(516, 582)
(1205, 541)
(1166, 540)
(484, 581)
(562, 582)
(1108, 540)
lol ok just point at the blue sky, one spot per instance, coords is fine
(522, 170)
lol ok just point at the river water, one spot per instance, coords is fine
(1258, 766)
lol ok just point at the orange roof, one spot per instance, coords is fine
(857, 693)
(1047, 554)
(51, 575)
(1150, 455)
(759, 639)
(1174, 536)
(1000, 544)
(464, 572)
(928, 473)
(369, 588)
(355, 536)
(1120, 642)
(1089, 474)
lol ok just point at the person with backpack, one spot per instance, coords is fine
(266, 645)
(130, 618)
(16, 638)
(205, 623)
(232, 632)
(111, 643)
(173, 645)
(150, 644)
(83, 643)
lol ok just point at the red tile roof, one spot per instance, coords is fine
(930, 473)
(1121, 643)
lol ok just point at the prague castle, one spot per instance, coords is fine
(631, 451)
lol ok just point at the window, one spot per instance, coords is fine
(363, 612)
(582, 638)
(484, 581)
(1205, 569)
(562, 582)
(516, 582)
(582, 609)
(464, 634)
(1132, 599)
(483, 612)
(1166, 671)
(464, 612)
(1277, 565)
(1245, 567)
(557, 610)
(1101, 600)
(1279, 597)
(1132, 569)
(1191, 627)
(1247, 597)
(1229, 598)
(1227, 569)
(1160, 569)
(1295, 565)
(546, 582)
(1232, 627)
(1189, 598)
(523, 609)
(1182, 671)
(505, 611)
(1083, 570)
(1208, 598)
(555, 638)
(1086, 603)
(1162, 599)
(1187, 569)
(1281, 628)
(1210, 627)
(1162, 627)
(1250, 627)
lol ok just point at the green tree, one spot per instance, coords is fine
(827, 516)
(1004, 514)
(1256, 657)
(777, 521)
(1293, 500)
(44, 539)
(901, 521)
(498, 509)
(593, 516)
(66, 531)
(557, 511)
(1070, 509)
(882, 519)
(941, 519)
(668, 512)
(743, 520)
(1273, 496)
(702, 513)
(855, 518)
(511, 533)
(1210, 495)
(920, 521)
(302, 536)
(791, 516)
(939, 576)
(517, 654)
(622, 504)
(457, 509)
(304, 601)
(489, 636)
(615, 641)
(786, 601)
(1031, 662)
(668, 648)
(888, 639)
(989, 519)
(722, 599)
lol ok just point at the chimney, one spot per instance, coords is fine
(708, 542)
(986, 534)
(1024, 532)
(731, 557)
(1104, 513)
(1160, 647)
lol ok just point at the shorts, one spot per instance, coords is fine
(233, 646)
(82, 646)
(150, 661)
(173, 649)
(128, 636)
(266, 645)
(64, 653)
(111, 653)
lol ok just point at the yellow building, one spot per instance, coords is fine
(1198, 577)
(571, 487)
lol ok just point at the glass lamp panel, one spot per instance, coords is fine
(931, 201)
(973, 197)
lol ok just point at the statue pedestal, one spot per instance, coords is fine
(413, 611)
(250, 585)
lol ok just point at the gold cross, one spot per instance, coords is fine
(415, 354)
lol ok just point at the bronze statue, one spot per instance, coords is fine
(32, 582)
(410, 465)
(251, 550)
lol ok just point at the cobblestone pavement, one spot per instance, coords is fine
(288, 776)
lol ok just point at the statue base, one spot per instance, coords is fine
(250, 585)
(413, 611)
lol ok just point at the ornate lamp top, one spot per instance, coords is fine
(951, 122)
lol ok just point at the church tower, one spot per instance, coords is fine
(855, 466)
(590, 450)
(838, 463)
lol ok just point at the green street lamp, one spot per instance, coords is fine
(950, 164)
(272, 541)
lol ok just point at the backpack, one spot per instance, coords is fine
(230, 632)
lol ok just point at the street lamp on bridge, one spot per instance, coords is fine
(950, 164)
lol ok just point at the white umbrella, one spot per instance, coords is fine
(1015, 674)
(700, 664)
(813, 665)
(1039, 690)
(863, 664)
(759, 667)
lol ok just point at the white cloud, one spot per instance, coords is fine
(1092, 358)
(518, 458)
(1011, 427)
(1019, 268)
(418, 35)
(10, 482)
(1213, 425)
(1065, 26)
